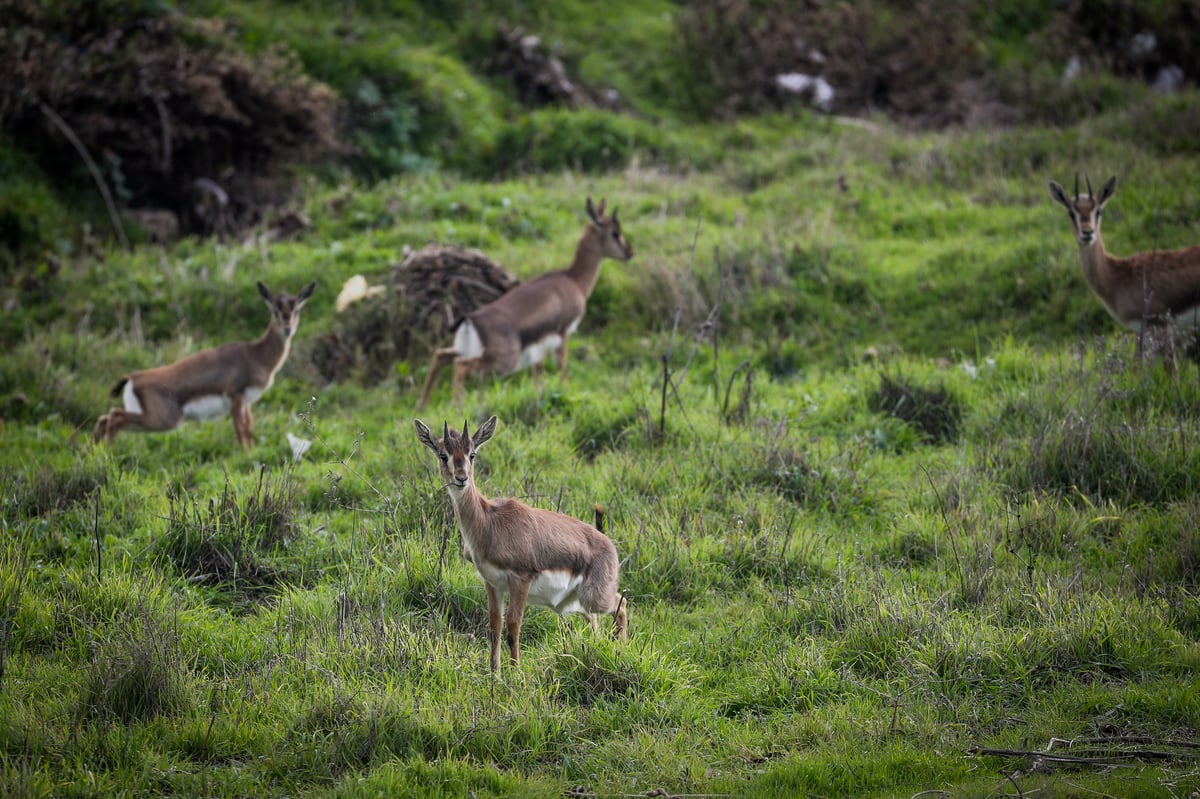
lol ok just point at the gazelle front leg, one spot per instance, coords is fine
(243, 422)
(495, 619)
(562, 359)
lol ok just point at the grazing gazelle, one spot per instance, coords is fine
(1150, 292)
(530, 554)
(211, 383)
(522, 326)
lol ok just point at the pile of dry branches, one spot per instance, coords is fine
(427, 293)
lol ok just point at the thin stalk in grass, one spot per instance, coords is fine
(96, 531)
(666, 357)
(13, 593)
(391, 509)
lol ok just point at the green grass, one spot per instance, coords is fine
(908, 504)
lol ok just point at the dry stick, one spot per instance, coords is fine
(1020, 793)
(96, 531)
(62, 125)
(716, 322)
(666, 358)
(165, 122)
(741, 367)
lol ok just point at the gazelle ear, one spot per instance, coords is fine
(591, 211)
(615, 221)
(1107, 191)
(425, 435)
(264, 291)
(1059, 194)
(485, 432)
(307, 292)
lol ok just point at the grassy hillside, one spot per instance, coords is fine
(908, 516)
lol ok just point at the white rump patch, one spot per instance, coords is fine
(254, 392)
(130, 398)
(212, 406)
(466, 340)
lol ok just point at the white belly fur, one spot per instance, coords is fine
(558, 590)
(468, 344)
(212, 406)
(538, 350)
(217, 406)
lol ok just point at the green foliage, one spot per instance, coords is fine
(33, 221)
(946, 514)
(588, 141)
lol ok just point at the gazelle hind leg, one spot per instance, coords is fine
(441, 358)
(518, 593)
(621, 619)
(462, 368)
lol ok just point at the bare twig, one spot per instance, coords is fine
(66, 131)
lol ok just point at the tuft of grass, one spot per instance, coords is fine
(934, 412)
(47, 490)
(230, 543)
(137, 672)
(592, 670)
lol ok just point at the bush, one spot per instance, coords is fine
(910, 59)
(204, 130)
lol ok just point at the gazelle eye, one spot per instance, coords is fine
(472, 456)
(445, 458)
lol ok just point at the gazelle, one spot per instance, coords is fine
(211, 383)
(530, 554)
(1150, 292)
(522, 326)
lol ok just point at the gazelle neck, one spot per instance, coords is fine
(272, 346)
(1094, 260)
(586, 267)
(470, 507)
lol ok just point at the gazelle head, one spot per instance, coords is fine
(1084, 210)
(456, 451)
(285, 309)
(607, 230)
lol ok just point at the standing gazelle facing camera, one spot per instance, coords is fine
(529, 554)
(221, 381)
(522, 326)
(1152, 293)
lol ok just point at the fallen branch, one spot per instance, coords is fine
(65, 129)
